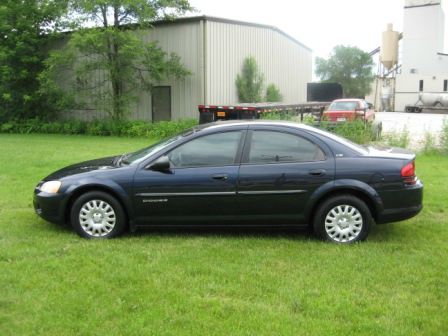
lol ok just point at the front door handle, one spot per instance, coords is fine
(222, 177)
(317, 172)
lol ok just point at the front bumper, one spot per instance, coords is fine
(50, 206)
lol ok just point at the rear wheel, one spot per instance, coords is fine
(343, 219)
(97, 215)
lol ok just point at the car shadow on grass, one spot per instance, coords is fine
(232, 232)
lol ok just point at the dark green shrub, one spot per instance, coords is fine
(357, 131)
(136, 128)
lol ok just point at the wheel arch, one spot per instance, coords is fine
(368, 195)
(96, 187)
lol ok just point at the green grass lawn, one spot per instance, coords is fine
(211, 282)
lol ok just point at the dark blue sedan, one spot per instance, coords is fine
(239, 173)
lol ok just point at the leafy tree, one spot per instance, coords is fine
(25, 29)
(349, 66)
(273, 94)
(250, 83)
(112, 62)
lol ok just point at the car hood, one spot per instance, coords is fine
(84, 167)
(390, 152)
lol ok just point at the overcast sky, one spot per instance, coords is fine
(319, 24)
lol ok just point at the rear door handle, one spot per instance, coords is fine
(221, 177)
(317, 172)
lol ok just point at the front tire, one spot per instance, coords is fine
(343, 219)
(97, 215)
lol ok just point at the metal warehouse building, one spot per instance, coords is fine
(214, 49)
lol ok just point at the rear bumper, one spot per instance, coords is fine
(395, 215)
(401, 204)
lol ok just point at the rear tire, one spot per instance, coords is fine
(342, 219)
(97, 215)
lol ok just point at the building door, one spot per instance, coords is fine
(161, 103)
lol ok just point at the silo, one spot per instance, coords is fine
(389, 48)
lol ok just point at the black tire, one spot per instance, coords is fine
(107, 209)
(342, 227)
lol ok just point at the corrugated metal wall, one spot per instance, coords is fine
(283, 62)
(214, 51)
(185, 39)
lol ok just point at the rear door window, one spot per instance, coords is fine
(278, 147)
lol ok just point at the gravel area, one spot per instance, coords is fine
(417, 124)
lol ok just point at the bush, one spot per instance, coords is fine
(444, 137)
(398, 140)
(357, 131)
(273, 94)
(136, 128)
(429, 144)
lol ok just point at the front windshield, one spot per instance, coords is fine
(343, 106)
(138, 156)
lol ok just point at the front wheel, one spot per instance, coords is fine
(96, 215)
(343, 219)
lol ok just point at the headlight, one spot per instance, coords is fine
(51, 187)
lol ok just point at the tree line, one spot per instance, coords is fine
(102, 60)
(96, 36)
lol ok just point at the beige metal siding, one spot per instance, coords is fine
(214, 50)
(184, 39)
(283, 62)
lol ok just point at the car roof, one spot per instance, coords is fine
(230, 123)
(348, 100)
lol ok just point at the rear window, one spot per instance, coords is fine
(343, 106)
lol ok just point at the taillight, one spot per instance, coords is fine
(408, 173)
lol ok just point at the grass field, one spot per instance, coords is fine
(211, 282)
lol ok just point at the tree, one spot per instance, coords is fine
(349, 66)
(273, 94)
(250, 83)
(111, 62)
(25, 29)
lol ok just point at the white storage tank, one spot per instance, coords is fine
(411, 3)
(444, 99)
(430, 99)
(389, 47)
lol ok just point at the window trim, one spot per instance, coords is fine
(237, 157)
(248, 146)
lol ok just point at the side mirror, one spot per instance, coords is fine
(161, 164)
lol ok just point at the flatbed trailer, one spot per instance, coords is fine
(210, 113)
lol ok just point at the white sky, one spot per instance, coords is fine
(319, 24)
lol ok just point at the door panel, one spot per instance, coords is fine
(185, 194)
(279, 173)
(200, 185)
(280, 190)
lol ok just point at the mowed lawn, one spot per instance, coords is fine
(229, 282)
